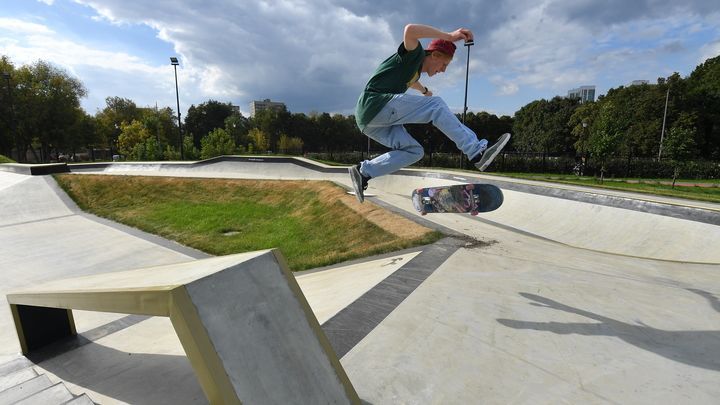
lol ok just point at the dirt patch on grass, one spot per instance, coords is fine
(388, 221)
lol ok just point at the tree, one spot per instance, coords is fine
(83, 134)
(8, 137)
(288, 145)
(529, 126)
(206, 117)
(680, 145)
(604, 139)
(272, 123)
(47, 100)
(217, 143)
(238, 127)
(131, 135)
(161, 124)
(258, 141)
(703, 98)
(117, 111)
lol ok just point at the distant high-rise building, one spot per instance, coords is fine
(639, 82)
(266, 104)
(584, 93)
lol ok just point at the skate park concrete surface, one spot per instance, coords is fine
(563, 295)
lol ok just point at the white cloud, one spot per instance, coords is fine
(507, 89)
(317, 54)
(708, 51)
(17, 26)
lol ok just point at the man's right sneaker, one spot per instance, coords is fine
(360, 182)
(483, 160)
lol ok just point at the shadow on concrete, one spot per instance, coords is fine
(695, 348)
(135, 378)
(712, 300)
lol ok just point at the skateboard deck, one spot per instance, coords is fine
(460, 198)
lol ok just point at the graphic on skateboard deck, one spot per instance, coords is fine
(460, 198)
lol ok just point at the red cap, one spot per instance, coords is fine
(443, 46)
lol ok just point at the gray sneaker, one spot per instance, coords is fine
(483, 160)
(360, 182)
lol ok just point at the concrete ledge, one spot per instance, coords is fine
(35, 169)
(242, 319)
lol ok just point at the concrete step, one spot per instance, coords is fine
(56, 394)
(25, 389)
(21, 384)
(17, 377)
(81, 400)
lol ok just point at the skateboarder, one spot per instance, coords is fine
(383, 106)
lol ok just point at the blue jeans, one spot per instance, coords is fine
(387, 129)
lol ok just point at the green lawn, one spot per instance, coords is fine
(310, 222)
(709, 193)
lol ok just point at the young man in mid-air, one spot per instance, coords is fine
(383, 107)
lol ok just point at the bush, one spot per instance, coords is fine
(216, 143)
(5, 159)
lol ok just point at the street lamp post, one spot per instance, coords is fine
(662, 132)
(6, 75)
(175, 63)
(468, 44)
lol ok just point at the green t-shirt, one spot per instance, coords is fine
(394, 76)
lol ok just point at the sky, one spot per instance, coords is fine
(317, 55)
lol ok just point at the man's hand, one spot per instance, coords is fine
(461, 34)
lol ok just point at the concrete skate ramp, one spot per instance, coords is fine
(607, 221)
(242, 319)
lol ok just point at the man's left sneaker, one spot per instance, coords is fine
(483, 160)
(360, 182)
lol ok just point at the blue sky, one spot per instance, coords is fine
(316, 55)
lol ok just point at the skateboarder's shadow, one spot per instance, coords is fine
(699, 348)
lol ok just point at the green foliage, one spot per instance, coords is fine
(171, 153)
(703, 98)
(131, 134)
(43, 104)
(190, 152)
(259, 141)
(206, 117)
(288, 145)
(5, 159)
(117, 111)
(238, 127)
(679, 144)
(217, 143)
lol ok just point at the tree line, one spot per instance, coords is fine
(675, 119)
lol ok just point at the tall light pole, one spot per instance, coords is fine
(468, 44)
(175, 63)
(6, 76)
(662, 133)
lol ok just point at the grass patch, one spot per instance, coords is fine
(710, 192)
(5, 159)
(313, 223)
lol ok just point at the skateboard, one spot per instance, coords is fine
(460, 198)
